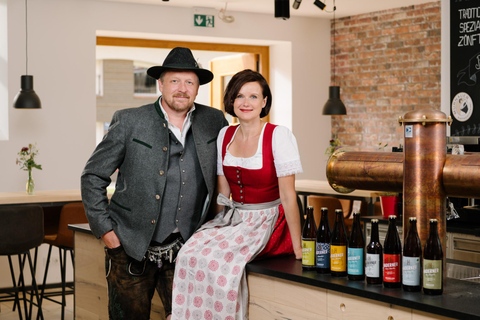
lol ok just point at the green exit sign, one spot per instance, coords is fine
(204, 20)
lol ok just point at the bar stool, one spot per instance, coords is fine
(71, 213)
(21, 230)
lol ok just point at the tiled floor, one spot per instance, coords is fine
(51, 310)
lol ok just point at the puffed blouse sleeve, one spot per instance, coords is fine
(221, 136)
(285, 152)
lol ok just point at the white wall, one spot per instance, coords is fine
(62, 59)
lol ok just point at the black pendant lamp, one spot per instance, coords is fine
(334, 106)
(26, 98)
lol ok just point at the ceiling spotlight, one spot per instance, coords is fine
(296, 4)
(282, 9)
(320, 4)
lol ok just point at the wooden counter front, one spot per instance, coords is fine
(279, 288)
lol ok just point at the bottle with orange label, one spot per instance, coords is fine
(392, 253)
(338, 247)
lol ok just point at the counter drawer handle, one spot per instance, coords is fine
(390, 318)
(342, 307)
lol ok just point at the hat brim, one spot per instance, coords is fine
(204, 75)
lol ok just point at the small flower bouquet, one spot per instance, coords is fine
(334, 145)
(26, 161)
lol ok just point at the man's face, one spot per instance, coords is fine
(179, 89)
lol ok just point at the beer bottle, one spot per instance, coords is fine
(338, 247)
(412, 254)
(308, 241)
(392, 251)
(356, 250)
(323, 243)
(374, 257)
(433, 262)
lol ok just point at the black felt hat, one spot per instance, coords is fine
(181, 59)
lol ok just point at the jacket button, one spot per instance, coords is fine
(164, 148)
(157, 197)
(164, 125)
(161, 172)
(153, 221)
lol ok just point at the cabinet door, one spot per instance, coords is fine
(272, 298)
(348, 307)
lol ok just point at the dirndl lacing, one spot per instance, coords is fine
(230, 216)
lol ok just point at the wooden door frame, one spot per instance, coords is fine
(262, 51)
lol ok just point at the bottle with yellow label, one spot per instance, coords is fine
(309, 235)
(338, 247)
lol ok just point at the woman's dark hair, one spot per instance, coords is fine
(237, 82)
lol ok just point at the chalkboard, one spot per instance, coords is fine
(465, 67)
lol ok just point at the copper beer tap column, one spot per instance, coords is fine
(424, 153)
(418, 172)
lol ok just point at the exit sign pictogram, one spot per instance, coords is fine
(204, 20)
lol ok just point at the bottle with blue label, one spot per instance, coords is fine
(323, 243)
(411, 262)
(356, 251)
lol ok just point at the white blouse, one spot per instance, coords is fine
(284, 147)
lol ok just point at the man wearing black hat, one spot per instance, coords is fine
(165, 154)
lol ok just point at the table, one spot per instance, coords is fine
(305, 188)
(44, 198)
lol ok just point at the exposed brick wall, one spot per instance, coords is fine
(387, 64)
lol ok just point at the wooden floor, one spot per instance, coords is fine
(51, 310)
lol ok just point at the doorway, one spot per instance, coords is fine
(243, 56)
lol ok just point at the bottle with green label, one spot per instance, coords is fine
(412, 254)
(309, 235)
(356, 251)
(433, 262)
(338, 247)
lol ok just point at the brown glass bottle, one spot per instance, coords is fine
(309, 235)
(392, 252)
(374, 257)
(433, 262)
(323, 243)
(411, 261)
(356, 251)
(338, 247)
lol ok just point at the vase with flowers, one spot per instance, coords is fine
(26, 160)
(334, 145)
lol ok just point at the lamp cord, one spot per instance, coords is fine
(26, 40)
(334, 60)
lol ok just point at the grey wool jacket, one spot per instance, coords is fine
(137, 144)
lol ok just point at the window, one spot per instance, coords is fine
(143, 83)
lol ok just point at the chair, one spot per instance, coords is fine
(71, 213)
(20, 231)
(319, 202)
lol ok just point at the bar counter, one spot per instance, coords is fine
(460, 299)
(277, 282)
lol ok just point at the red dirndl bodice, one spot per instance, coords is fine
(258, 186)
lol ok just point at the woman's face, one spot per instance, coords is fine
(249, 101)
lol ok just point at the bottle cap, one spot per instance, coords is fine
(338, 210)
(374, 220)
(413, 218)
(324, 208)
(392, 216)
(310, 207)
(433, 220)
